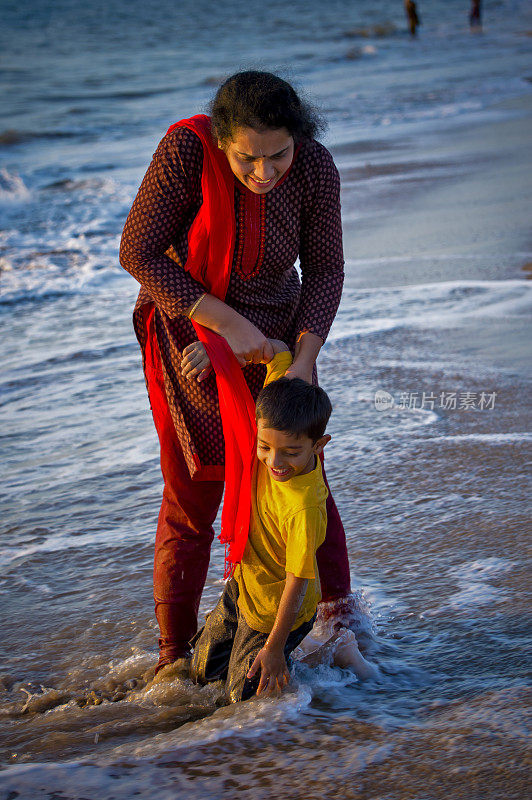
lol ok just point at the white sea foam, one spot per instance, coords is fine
(60, 542)
(250, 720)
(474, 587)
(475, 594)
(488, 438)
(12, 187)
(400, 418)
(431, 305)
(141, 777)
(483, 568)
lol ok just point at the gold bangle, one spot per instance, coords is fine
(196, 304)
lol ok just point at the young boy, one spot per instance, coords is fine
(269, 605)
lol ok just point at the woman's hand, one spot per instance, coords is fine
(247, 343)
(195, 362)
(245, 340)
(305, 354)
(300, 370)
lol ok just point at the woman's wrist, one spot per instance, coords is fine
(213, 313)
(193, 307)
(307, 348)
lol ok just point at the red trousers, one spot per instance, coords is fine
(185, 530)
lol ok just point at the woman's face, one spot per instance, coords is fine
(259, 159)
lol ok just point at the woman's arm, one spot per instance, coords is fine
(321, 258)
(165, 205)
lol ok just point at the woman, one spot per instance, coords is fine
(284, 202)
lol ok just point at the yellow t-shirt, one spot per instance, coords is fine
(288, 523)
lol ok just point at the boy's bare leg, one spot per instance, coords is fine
(341, 650)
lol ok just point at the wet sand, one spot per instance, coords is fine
(474, 216)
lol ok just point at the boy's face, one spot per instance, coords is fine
(286, 455)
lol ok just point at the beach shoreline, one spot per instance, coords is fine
(463, 219)
(477, 211)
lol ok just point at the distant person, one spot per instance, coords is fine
(475, 20)
(412, 16)
(280, 199)
(269, 606)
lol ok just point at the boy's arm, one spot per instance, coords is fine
(270, 660)
(304, 531)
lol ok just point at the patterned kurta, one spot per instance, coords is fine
(299, 216)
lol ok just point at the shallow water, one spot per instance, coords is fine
(432, 490)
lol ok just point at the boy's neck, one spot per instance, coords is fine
(314, 464)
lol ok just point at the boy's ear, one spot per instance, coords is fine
(320, 444)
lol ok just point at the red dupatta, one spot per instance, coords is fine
(211, 242)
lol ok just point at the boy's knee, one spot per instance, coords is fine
(239, 686)
(199, 667)
(210, 661)
(242, 689)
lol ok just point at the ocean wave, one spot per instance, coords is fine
(249, 720)
(440, 304)
(474, 586)
(377, 30)
(63, 238)
(12, 136)
(129, 94)
(404, 169)
(483, 568)
(60, 542)
(44, 285)
(12, 186)
(488, 438)
(99, 185)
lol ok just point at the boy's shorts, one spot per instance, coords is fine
(226, 647)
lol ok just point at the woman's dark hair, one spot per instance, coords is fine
(262, 100)
(294, 406)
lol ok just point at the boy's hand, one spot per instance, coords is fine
(195, 362)
(274, 675)
(278, 346)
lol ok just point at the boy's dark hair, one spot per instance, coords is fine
(258, 100)
(293, 406)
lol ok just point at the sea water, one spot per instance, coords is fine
(430, 487)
